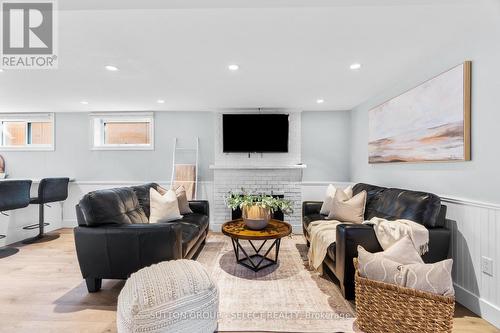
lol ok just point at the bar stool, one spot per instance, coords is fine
(49, 190)
(14, 194)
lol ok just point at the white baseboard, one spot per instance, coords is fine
(69, 223)
(479, 306)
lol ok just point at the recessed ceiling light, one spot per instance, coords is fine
(160, 101)
(84, 102)
(111, 68)
(1, 70)
(320, 101)
(233, 67)
(355, 66)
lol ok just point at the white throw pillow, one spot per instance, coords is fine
(182, 200)
(163, 208)
(348, 210)
(330, 194)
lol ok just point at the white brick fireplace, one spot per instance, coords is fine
(259, 173)
(269, 181)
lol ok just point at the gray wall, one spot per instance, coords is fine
(325, 145)
(478, 179)
(74, 158)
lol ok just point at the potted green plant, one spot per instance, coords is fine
(256, 209)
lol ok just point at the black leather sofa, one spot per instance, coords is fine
(114, 239)
(388, 203)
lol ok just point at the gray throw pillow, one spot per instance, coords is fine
(382, 266)
(433, 278)
(376, 267)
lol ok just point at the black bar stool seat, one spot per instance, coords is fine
(49, 190)
(14, 194)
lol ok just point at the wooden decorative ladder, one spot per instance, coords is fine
(186, 174)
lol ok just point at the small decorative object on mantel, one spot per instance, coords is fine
(257, 208)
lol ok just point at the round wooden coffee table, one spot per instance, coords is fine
(275, 230)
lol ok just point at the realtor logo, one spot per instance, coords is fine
(28, 35)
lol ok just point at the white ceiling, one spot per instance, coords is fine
(290, 53)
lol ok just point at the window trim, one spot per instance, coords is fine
(121, 117)
(27, 118)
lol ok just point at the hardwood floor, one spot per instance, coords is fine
(42, 291)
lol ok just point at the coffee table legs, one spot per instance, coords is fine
(256, 261)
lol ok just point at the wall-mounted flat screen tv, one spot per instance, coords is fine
(255, 133)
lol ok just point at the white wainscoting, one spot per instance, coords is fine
(475, 233)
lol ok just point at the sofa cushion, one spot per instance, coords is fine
(117, 205)
(192, 227)
(420, 207)
(190, 235)
(142, 193)
(394, 203)
(310, 218)
(199, 220)
(372, 192)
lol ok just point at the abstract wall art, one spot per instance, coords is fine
(428, 123)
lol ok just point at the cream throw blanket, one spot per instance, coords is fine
(322, 234)
(389, 232)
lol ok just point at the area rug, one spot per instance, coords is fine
(287, 297)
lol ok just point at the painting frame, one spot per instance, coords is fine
(450, 144)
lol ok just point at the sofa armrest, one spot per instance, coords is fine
(200, 207)
(311, 207)
(349, 236)
(115, 251)
(80, 217)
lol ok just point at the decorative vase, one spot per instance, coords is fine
(256, 217)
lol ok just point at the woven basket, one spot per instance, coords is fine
(383, 307)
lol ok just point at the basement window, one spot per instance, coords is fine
(122, 131)
(23, 131)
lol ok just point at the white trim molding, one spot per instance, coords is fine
(468, 202)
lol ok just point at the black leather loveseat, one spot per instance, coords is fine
(114, 239)
(388, 203)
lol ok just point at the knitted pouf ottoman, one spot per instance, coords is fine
(172, 296)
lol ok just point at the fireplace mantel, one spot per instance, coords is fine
(257, 167)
